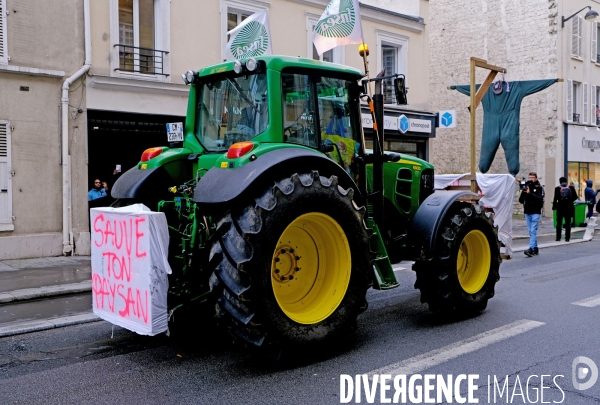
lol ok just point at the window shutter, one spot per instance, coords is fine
(593, 116)
(569, 100)
(594, 36)
(5, 177)
(574, 37)
(586, 100)
(2, 32)
(579, 42)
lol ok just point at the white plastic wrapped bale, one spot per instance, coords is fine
(130, 267)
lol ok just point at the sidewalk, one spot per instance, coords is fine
(31, 280)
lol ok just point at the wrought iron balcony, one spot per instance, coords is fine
(576, 118)
(141, 60)
(597, 120)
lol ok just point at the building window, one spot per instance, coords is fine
(335, 55)
(392, 51)
(596, 105)
(235, 18)
(140, 29)
(3, 54)
(574, 98)
(576, 28)
(233, 12)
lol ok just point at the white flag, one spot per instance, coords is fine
(339, 25)
(250, 39)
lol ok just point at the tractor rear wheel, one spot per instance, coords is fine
(462, 275)
(292, 267)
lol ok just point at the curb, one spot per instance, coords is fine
(45, 292)
(550, 244)
(39, 325)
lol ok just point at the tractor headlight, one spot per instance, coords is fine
(251, 64)
(184, 78)
(190, 76)
(237, 67)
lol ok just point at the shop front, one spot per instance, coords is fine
(405, 131)
(583, 157)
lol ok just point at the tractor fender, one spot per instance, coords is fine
(220, 189)
(426, 223)
(137, 183)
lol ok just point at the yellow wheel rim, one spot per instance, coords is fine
(311, 267)
(473, 262)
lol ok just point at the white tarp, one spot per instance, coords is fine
(130, 267)
(498, 193)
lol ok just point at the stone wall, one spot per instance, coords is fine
(519, 35)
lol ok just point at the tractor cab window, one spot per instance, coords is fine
(299, 115)
(337, 125)
(232, 110)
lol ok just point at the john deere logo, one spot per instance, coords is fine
(338, 25)
(403, 123)
(252, 40)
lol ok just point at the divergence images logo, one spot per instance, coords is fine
(584, 368)
(403, 124)
(338, 25)
(251, 41)
(446, 119)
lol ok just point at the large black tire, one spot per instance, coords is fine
(293, 266)
(462, 275)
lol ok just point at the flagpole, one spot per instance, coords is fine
(364, 52)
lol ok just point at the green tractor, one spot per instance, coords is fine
(280, 219)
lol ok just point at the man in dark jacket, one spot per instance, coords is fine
(564, 197)
(532, 199)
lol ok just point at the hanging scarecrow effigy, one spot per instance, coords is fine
(501, 109)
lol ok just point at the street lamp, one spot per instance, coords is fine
(589, 16)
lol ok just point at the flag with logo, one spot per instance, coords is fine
(339, 25)
(250, 39)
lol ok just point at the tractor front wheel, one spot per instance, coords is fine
(462, 275)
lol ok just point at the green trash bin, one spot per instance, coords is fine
(579, 218)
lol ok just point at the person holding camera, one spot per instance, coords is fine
(564, 197)
(99, 190)
(532, 198)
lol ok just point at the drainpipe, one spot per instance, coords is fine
(66, 158)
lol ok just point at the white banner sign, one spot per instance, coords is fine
(448, 119)
(388, 122)
(250, 39)
(130, 267)
(420, 125)
(584, 146)
(339, 25)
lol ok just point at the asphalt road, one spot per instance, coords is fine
(544, 315)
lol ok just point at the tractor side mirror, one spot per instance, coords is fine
(326, 146)
(400, 87)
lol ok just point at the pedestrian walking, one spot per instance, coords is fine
(590, 198)
(532, 198)
(562, 203)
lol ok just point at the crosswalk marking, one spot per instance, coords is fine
(438, 356)
(589, 302)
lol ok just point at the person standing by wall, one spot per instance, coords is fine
(590, 198)
(564, 197)
(532, 198)
(99, 190)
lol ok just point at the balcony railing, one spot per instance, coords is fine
(576, 118)
(597, 120)
(141, 60)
